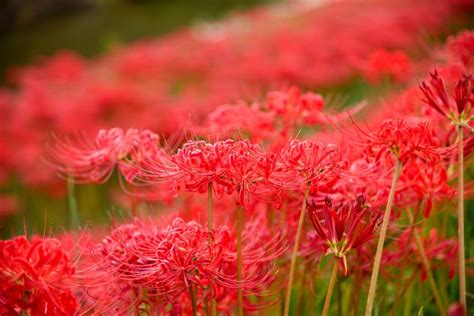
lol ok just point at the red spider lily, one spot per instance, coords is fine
(34, 276)
(95, 161)
(302, 163)
(294, 107)
(249, 121)
(423, 181)
(461, 47)
(344, 227)
(228, 166)
(406, 142)
(384, 63)
(358, 179)
(440, 251)
(247, 169)
(199, 164)
(457, 107)
(165, 263)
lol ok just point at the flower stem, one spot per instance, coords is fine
(193, 300)
(332, 282)
(72, 201)
(240, 225)
(462, 263)
(211, 236)
(383, 233)
(426, 265)
(295, 253)
(302, 292)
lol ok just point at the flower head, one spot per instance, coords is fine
(34, 276)
(94, 161)
(402, 140)
(344, 227)
(305, 162)
(458, 106)
(160, 265)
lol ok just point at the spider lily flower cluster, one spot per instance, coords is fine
(252, 171)
(35, 277)
(157, 267)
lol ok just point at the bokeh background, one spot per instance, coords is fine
(30, 29)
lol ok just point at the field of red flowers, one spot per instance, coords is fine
(300, 158)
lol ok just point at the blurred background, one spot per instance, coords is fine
(30, 29)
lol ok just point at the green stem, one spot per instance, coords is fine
(401, 291)
(354, 294)
(302, 291)
(72, 201)
(409, 300)
(332, 282)
(193, 300)
(383, 233)
(240, 226)
(211, 236)
(295, 252)
(461, 254)
(426, 265)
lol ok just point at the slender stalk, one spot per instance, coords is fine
(193, 300)
(427, 266)
(340, 310)
(355, 294)
(302, 291)
(409, 300)
(401, 291)
(72, 201)
(332, 282)
(312, 288)
(211, 236)
(240, 226)
(383, 233)
(401, 284)
(461, 254)
(295, 253)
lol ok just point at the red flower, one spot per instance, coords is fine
(404, 141)
(157, 266)
(304, 162)
(382, 63)
(440, 251)
(457, 107)
(344, 227)
(95, 161)
(34, 276)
